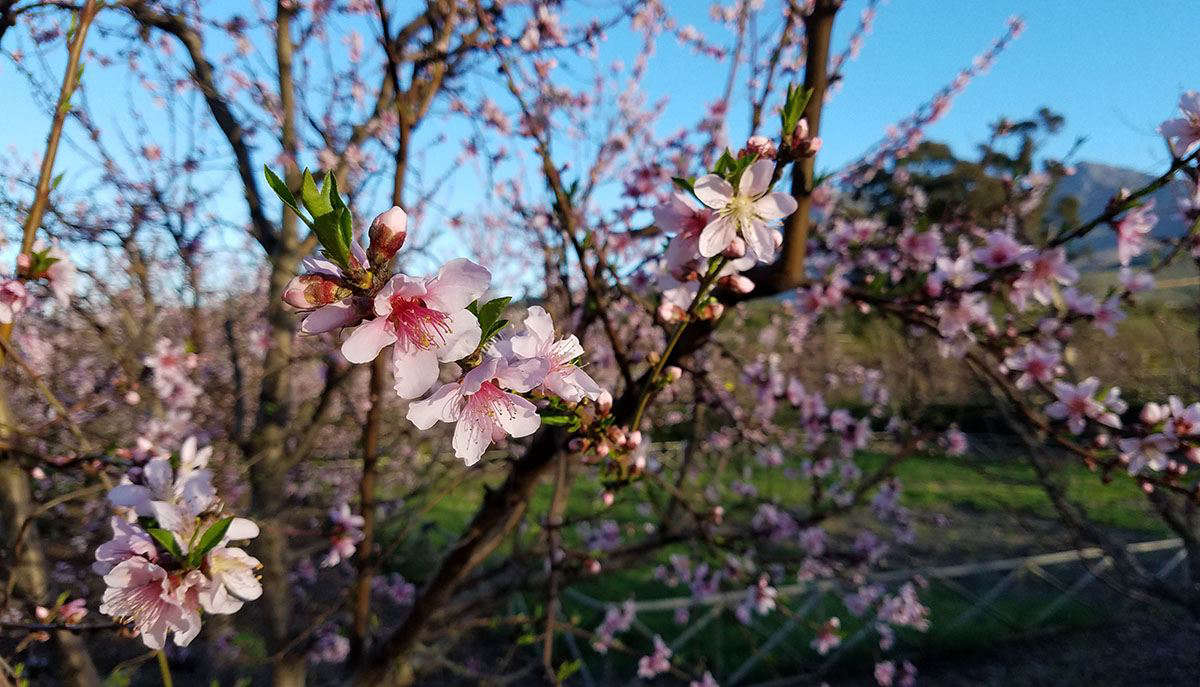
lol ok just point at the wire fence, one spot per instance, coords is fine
(1016, 595)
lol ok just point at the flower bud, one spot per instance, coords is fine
(736, 248)
(387, 234)
(738, 283)
(711, 311)
(672, 373)
(760, 145)
(634, 439)
(604, 402)
(308, 291)
(1153, 413)
(608, 498)
(593, 566)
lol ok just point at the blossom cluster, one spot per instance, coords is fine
(171, 555)
(431, 321)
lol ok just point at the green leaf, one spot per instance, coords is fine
(346, 226)
(329, 233)
(793, 109)
(281, 189)
(688, 185)
(166, 540)
(489, 313)
(568, 669)
(492, 331)
(558, 420)
(316, 200)
(209, 540)
(57, 180)
(526, 639)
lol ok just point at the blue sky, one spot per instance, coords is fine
(1114, 68)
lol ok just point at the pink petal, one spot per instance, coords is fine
(445, 405)
(415, 371)
(458, 283)
(775, 206)
(716, 236)
(713, 191)
(463, 337)
(756, 179)
(524, 419)
(330, 317)
(472, 436)
(367, 340)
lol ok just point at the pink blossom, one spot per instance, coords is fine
(142, 593)
(1132, 230)
(427, 321)
(748, 211)
(827, 636)
(686, 218)
(1135, 282)
(129, 541)
(885, 672)
(1184, 420)
(920, 247)
(706, 680)
(1042, 273)
(1036, 365)
(13, 297)
(1001, 250)
(1108, 316)
(1076, 403)
(484, 411)
(1184, 132)
(563, 377)
(656, 663)
(347, 532)
(1150, 451)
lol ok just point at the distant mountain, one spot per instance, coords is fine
(1093, 184)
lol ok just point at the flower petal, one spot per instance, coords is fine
(523, 419)
(415, 371)
(445, 405)
(713, 191)
(716, 236)
(330, 317)
(775, 206)
(463, 337)
(472, 436)
(458, 283)
(756, 179)
(367, 340)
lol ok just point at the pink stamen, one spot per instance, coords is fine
(422, 327)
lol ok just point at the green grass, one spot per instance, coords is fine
(972, 492)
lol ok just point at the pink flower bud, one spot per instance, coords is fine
(593, 566)
(711, 311)
(604, 401)
(1153, 413)
(736, 248)
(634, 439)
(308, 291)
(738, 283)
(760, 145)
(387, 234)
(608, 498)
(672, 373)
(24, 261)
